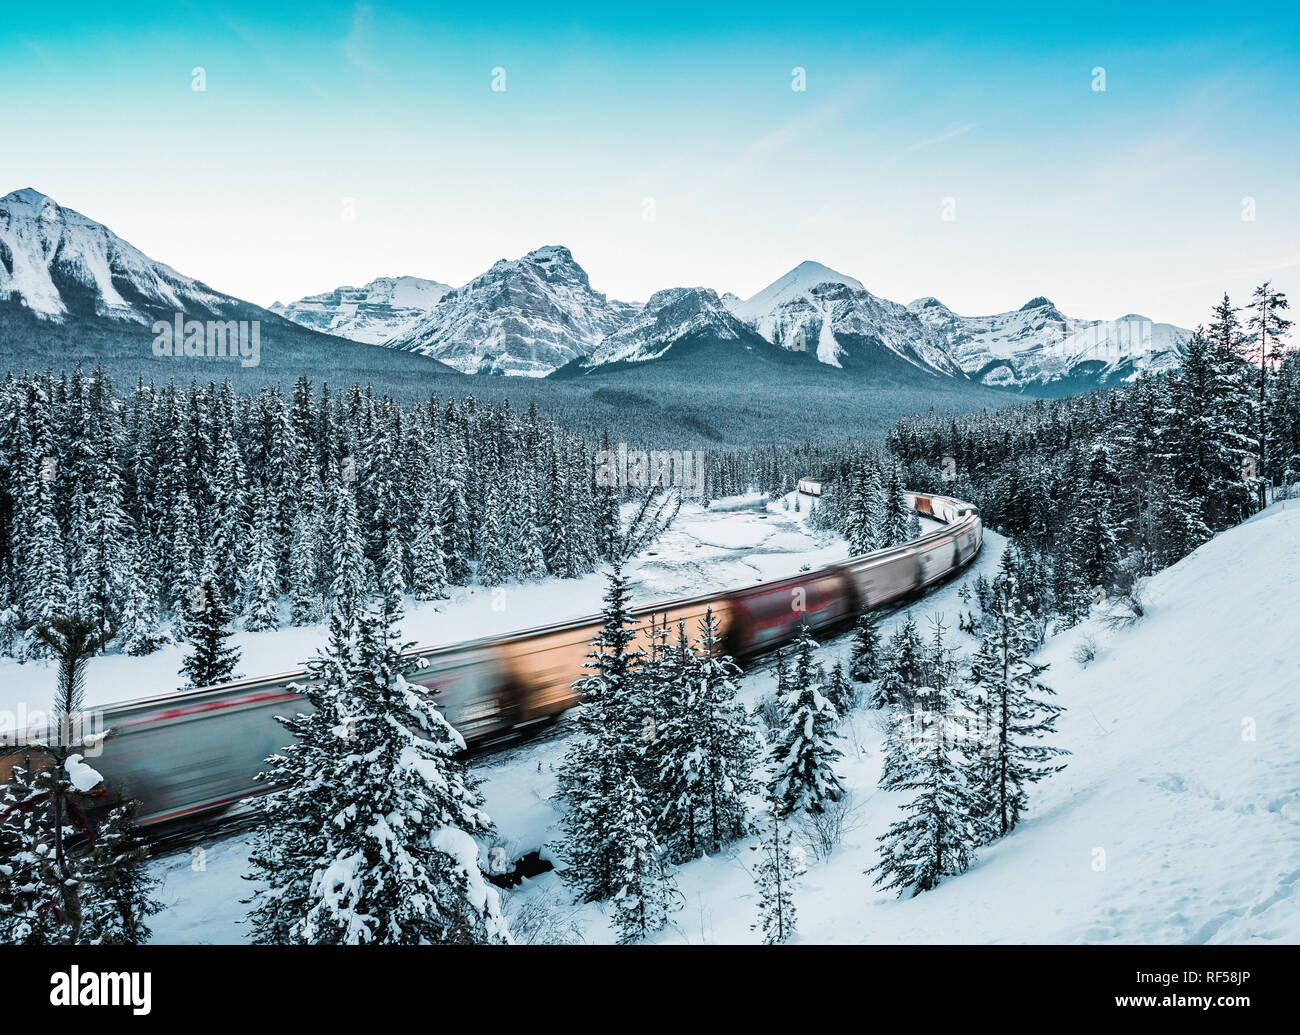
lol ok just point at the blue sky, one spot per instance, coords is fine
(665, 146)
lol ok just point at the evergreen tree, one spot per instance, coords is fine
(727, 740)
(1006, 689)
(1269, 327)
(396, 863)
(866, 660)
(261, 579)
(428, 563)
(903, 671)
(603, 751)
(646, 891)
(803, 754)
(211, 660)
(139, 631)
(840, 692)
(937, 835)
(776, 876)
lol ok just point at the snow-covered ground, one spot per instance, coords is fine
(734, 542)
(1176, 821)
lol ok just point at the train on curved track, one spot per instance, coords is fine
(190, 754)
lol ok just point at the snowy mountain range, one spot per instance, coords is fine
(1037, 345)
(538, 313)
(385, 308)
(534, 315)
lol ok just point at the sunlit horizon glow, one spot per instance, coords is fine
(1125, 201)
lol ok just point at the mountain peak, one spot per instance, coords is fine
(1038, 302)
(795, 284)
(58, 262)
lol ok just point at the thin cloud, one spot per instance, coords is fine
(956, 131)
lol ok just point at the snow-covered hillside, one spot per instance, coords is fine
(1177, 819)
(385, 308)
(1037, 344)
(525, 316)
(57, 262)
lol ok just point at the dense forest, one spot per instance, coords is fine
(135, 508)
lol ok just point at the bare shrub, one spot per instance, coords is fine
(768, 709)
(535, 919)
(1085, 651)
(823, 831)
(1126, 607)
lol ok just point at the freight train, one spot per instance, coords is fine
(194, 753)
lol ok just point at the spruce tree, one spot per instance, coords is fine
(646, 892)
(726, 737)
(803, 755)
(396, 861)
(937, 836)
(780, 865)
(1006, 689)
(903, 670)
(604, 750)
(211, 659)
(428, 562)
(865, 658)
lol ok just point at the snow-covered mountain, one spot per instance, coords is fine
(672, 318)
(57, 264)
(385, 308)
(1037, 345)
(526, 316)
(815, 309)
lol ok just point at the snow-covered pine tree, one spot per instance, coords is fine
(211, 659)
(604, 750)
(727, 738)
(865, 656)
(903, 670)
(494, 564)
(120, 896)
(400, 864)
(677, 762)
(897, 511)
(1268, 326)
(646, 893)
(1005, 689)
(428, 562)
(293, 835)
(304, 574)
(937, 836)
(351, 582)
(839, 691)
(261, 578)
(392, 579)
(803, 753)
(139, 631)
(776, 877)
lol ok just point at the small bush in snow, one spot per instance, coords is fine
(1085, 651)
